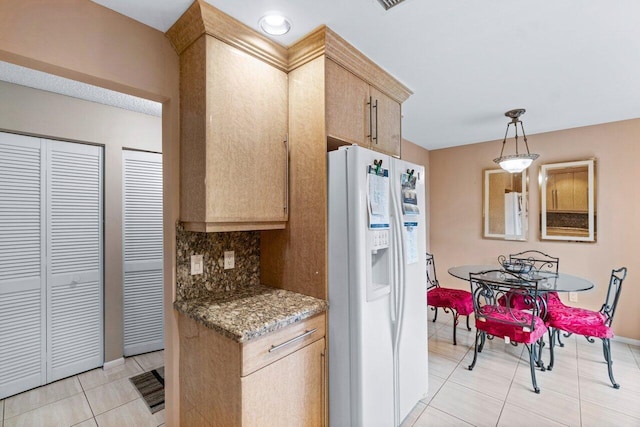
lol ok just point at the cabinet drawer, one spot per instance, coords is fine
(271, 347)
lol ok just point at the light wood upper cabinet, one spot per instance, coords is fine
(348, 117)
(567, 191)
(358, 113)
(386, 118)
(234, 124)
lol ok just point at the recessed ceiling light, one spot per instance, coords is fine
(274, 24)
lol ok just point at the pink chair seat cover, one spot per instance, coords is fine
(493, 325)
(579, 321)
(458, 299)
(517, 301)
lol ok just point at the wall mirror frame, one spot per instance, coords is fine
(568, 201)
(505, 212)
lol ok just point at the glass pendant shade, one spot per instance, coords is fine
(515, 163)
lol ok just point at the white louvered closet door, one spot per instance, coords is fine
(143, 252)
(22, 296)
(74, 270)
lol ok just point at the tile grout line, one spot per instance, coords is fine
(578, 374)
(5, 418)
(504, 402)
(447, 380)
(84, 392)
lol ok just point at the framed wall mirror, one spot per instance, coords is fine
(568, 201)
(505, 205)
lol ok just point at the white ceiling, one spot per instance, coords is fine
(570, 63)
(38, 80)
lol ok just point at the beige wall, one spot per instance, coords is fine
(81, 40)
(456, 213)
(416, 154)
(34, 112)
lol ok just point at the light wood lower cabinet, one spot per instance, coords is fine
(275, 380)
(288, 392)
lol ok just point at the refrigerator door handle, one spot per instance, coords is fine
(398, 301)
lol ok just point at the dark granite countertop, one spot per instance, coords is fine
(251, 311)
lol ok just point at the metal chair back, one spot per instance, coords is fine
(490, 286)
(432, 279)
(538, 260)
(613, 293)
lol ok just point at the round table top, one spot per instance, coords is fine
(549, 281)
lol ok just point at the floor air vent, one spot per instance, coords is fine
(388, 4)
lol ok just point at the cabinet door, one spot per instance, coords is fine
(581, 191)
(386, 124)
(564, 191)
(551, 192)
(289, 392)
(346, 106)
(247, 152)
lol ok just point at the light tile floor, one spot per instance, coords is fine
(102, 398)
(498, 392)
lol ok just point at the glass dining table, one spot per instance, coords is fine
(547, 281)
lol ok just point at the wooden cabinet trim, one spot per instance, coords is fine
(202, 18)
(325, 41)
(256, 355)
(211, 227)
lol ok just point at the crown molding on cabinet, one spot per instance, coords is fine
(324, 41)
(202, 18)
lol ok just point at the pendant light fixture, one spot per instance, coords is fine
(515, 163)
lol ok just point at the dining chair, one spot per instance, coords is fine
(456, 300)
(505, 321)
(591, 324)
(539, 261)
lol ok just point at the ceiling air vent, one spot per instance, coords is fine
(388, 4)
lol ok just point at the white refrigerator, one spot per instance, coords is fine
(377, 288)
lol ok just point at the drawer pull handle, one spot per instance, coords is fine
(292, 340)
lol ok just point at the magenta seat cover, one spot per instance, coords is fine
(458, 299)
(579, 321)
(517, 301)
(493, 325)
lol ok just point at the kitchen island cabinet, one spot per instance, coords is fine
(259, 369)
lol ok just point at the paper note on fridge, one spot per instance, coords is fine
(378, 195)
(409, 195)
(411, 241)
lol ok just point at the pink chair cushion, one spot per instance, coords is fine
(579, 321)
(493, 325)
(517, 301)
(458, 299)
(553, 300)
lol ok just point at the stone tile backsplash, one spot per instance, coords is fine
(245, 244)
(568, 219)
